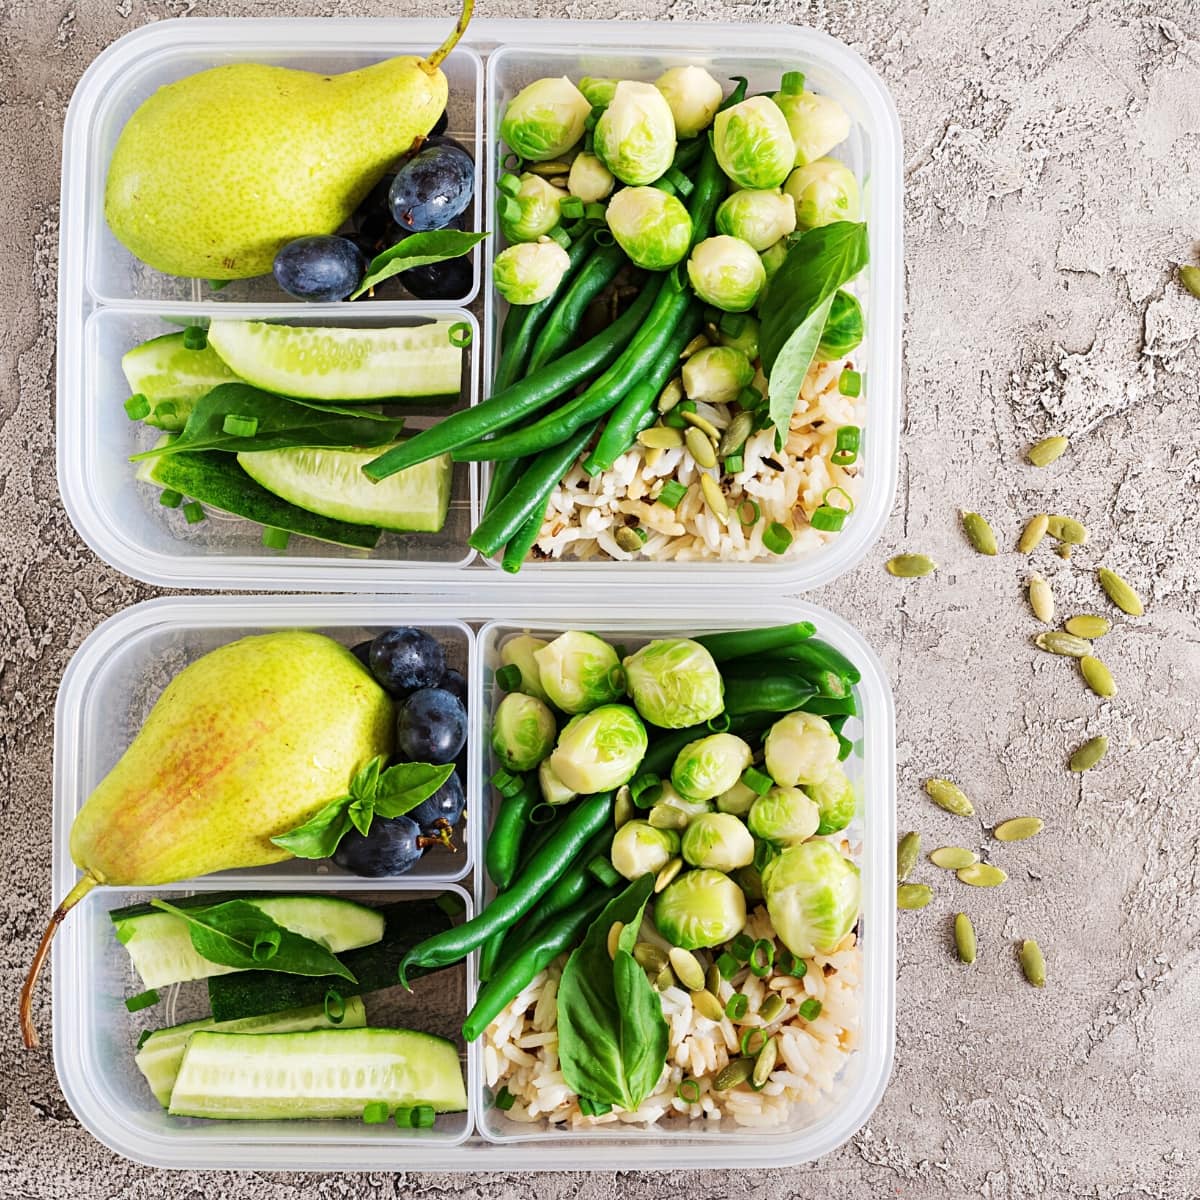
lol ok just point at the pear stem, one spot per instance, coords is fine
(77, 893)
(431, 64)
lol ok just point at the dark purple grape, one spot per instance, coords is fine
(450, 279)
(373, 225)
(453, 681)
(443, 810)
(405, 659)
(431, 726)
(441, 139)
(320, 268)
(432, 188)
(392, 846)
(363, 653)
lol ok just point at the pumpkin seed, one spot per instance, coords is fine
(687, 968)
(712, 979)
(664, 979)
(707, 1005)
(1097, 676)
(964, 938)
(1034, 532)
(667, 816)
(1033, 962)
(652, 456)
(764, 1064)
(1041, 599)
(979, 532)
(771, 1007)
(1067, 529)
(1017, 829)
(1057, 642)
(714, 498)
(623, 809)
(700, 448)
(614, 936)
(1087, 625)
(736, 1071)
(661, 437)
(670, 395)
(906, 854)
(546, 169)
(951, 858)
(736, 434)
(705, 427)
(1043, 453)
(949, 796)
(913, 895)
(649, 956)
(910, 566)
(699, 342)
(1089, 754)
(981, 875)
(629, 539)
(667, 874)
(1120, 593)
(1190, 278)
(1062, 550)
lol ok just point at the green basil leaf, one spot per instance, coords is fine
(404, 786)
(361, 812)
(235, 932)
(318, 837)
(366, 780)
(417, 250)
(791, 366)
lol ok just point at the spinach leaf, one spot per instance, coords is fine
(417, 250)
(612, 1035)
(238, 934)
(282, 424)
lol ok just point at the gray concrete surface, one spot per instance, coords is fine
(1053, 176)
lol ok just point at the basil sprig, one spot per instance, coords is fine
(417, 250)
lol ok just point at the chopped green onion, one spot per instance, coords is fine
(604, 237)
(741, 946)
(508, 209)
(594, 212)
(645, 790)
(732, 324)
(504, 1099)
(727, 965)
(143, 1037)
(679, 181)
(762, 957)
(506, 783)
(461, 334)
(686, 406)
(542, 814)
(508, 184)
(275, 539)
(169, 499)
(748, 512)
(195, 337)
(604, 871)
(734, 463)
(424, 1116)
(674, 419)
(790, 964)
(451, 903)
(828, 520)
(237, 426)
(736, 1006)
(757, 782)
(846, 451)
(194, 512)
(792, 83)
(810, 1009)
(164, 409)
(142, 1000)
(849, 500)
(137, 407)
(335, 1009)
(850, 383)
(560, 235)
(777, 538)
(508, 679)
(571, 208)
(405, 1118)
(375, 1113)
(750, 398)
(672, 492)
(753, 1040)
(688, 1091)
(512, 162)
(763, 853)
(720, 723)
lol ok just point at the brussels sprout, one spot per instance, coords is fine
(716, 374)
(589, 179)
(725, 272)
(817, 123)
(737, 800)
(745, 340)
(518, 652)
(578, 671)
(760, 218)
(753, 143)
(772, 258)
(554, 791)
(718, 840)
(800, 748)
(813, 896)
(545, 119)
(599, 91)
(529, 271)
(635, 136)
(523, 731)
(843, 327)
(652, 227)
(537, 210)
(638, 848)
(824, 191)
(709, 766)
(785, 816)
(600, 750)
(674, 683)
(670, 801)
(694, 96)
(749, 879)
(700, 908)
(835, 799)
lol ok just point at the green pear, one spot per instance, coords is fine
(247, 742)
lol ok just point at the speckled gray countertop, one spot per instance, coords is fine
(1052, 164)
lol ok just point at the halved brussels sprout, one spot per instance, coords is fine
(835, 799)
(716, 375)
(523, 731)
(759, 217)
(709, 766)
(800, 748)
(785, 816)
(554, 791)
(635, 135)
(694, 96)
(589, 178)
(599, 91)
(518, 652)
(813, 895)
(817, 123)
(700, 908)
(737, 800)
(578, 671)
(537, 210)
(718, 840)
(753, 143)
(843, 327)
(726, 272)
(600, 750)
(638, 847)
(652, 227)
(772, 258)
(545, 119)
(530, 271)
(674, 683)
(824, 191)
(746, 338)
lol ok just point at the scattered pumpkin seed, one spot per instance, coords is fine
(1190, 278)
(1087, 625)
(1034, 532)
(705, 427)
(1067, 529)
(910, 566)
(707, 1005)
(1120, 593)
(714, 498)
(771, 1007)
(712, 979)
(981, 875)
(1057, 642)
(652, 456)
(661, 437)
(913, 895)
(1097, 676)
(906, 854)
(700, 448)
(952, 858)
(665, 979)
(546, 169)
(949, 796)
(649, 956)
(614, 935)
(1043, 453)
(736, 434)
(687, 968)
(964, 938)
(979, 532)
(667, 874)
(697, 344)
(1041, 599)
(1017, 829)
(1089, 754)
(764, 1064)
(667, 816)
(1033, 962)
(1062, 550)
(623, 809)
(629, 539)
(670, 395)
(736, 1071)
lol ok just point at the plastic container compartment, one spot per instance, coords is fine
(107, 300)
(110, 684)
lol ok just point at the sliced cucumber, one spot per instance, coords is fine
(172, 377)
(160, 943)
(162, 1052)
(324, 1073)
(332, 483)
(324, 363)
(214, 478)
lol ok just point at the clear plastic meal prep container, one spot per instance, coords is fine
(109, 686)
(108, 302)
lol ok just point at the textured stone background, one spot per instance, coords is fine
(1052, 158)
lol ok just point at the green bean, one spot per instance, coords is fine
(504, 476)
(594, 276)
(687, 154)
(826, 683)
(819, 656)
(766, 694)
(508, 828)
(490, 954)
(738, 643)
(521, 542)
(571, 887)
